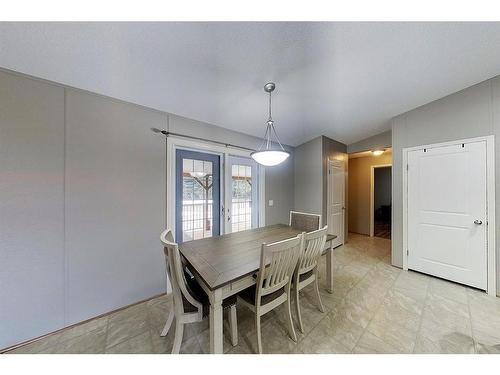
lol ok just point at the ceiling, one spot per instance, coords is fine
(342, 80)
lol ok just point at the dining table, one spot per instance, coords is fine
(224, 265)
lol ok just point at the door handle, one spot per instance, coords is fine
(478, 222)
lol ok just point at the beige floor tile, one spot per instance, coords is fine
(412, 284)
(483, 302)
(487, 349)
(38, 346)
(340, 329)
(136, 345)
(448, 290)
(134, 312)
(321, 342)
(371, 344)
(309, 310)
(93, 342)
(191, 346)
(393, 334)
(81, 329)
(369, 297)
(435, 337)
(124, 329)
(353, 312)
(204, 340)
(395, 298)
(443, 312)
(486, 336)
(392, 312)
(452, 343)
(275, 339)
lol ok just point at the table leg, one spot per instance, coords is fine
(329, 268)
(216, 334)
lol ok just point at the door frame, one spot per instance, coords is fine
(331, 162)
(173, 143)
(490, 203)
(372, 196)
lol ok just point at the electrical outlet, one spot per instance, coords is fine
(271, 203)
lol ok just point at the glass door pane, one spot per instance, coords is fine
(243, 208)
(197, 195)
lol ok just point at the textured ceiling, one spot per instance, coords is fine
(343, 80)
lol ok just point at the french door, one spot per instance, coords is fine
(197, 213)
(241, 203)
(447, 212)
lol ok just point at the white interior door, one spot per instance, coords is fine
(447, 229)
(336, 200)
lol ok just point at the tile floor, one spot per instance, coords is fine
(375, 308)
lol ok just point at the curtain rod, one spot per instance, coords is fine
(167, 134)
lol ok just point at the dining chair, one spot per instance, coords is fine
(191, 303)
(274, 280)
(306, 271)
(304, 221)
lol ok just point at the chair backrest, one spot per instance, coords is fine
(277, 264)
(175, 274)
(314, 243)
(304, 221)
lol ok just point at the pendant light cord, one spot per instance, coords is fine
(270, 117)
(270, 130)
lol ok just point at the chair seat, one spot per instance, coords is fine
(199, 294)
(248, 295)
(305, 276)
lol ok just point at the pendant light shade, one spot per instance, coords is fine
(270, 157)
(269, 154)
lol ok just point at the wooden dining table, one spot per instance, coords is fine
(224, 265)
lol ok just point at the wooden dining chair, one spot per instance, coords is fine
(274, 280)
(191, 303)
(306, 270)
(304, 221)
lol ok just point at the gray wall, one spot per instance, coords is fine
(115, 204)
(382, 140)
(82, 197)
(311, 175)
(472, 112)
(308, 177)
(31, 208)
(280, 188)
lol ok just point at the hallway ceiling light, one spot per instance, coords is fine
(266, 154)
(378, 152)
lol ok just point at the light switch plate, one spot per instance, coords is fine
(271, 203)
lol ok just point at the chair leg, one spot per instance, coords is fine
(179, 332)
(291, 330)
(297, 307)
(316, 287)
(233, 324)
(259, 338)
(168, 323)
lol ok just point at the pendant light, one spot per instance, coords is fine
(268, 155)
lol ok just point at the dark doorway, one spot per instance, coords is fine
(382, 193)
